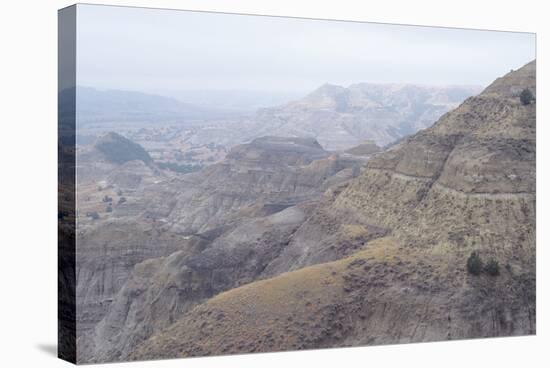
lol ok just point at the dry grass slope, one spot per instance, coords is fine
(385, 293)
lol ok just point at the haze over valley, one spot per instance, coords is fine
(189, 136)
(251, 184)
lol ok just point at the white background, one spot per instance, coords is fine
(28, 169)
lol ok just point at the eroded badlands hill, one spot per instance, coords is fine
(465, 184)
(216, 229)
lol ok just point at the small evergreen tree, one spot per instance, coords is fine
(474, 264)
(492, 267)
(526, 96)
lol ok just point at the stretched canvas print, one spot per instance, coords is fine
(235, 183)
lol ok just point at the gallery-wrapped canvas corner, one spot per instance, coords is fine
(233, 184)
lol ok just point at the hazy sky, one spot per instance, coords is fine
(151, 50)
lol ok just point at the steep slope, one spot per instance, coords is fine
(229, 216)
(340, 118)
(468, 180)
(160, 290)
(376, 296)
(465, 184)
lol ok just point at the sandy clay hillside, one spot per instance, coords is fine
(314, 250)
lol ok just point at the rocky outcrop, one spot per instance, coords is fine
(366, 148)
(268, 172)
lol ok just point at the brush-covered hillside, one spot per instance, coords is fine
(434, 240)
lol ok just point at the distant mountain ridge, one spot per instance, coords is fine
(95, 105)
(340, 118)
